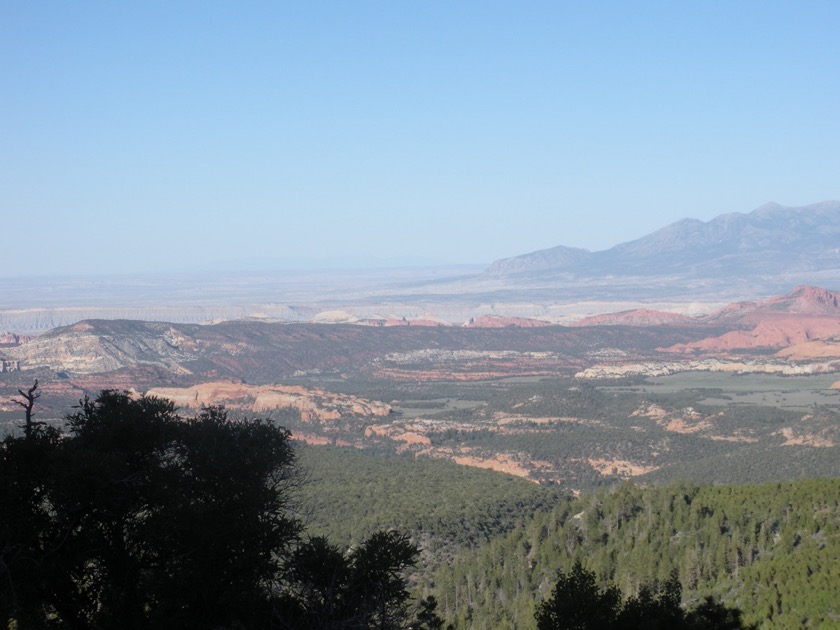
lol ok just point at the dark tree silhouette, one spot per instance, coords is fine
(576, 603)
(28, 404)
(143, 519)
(427, 617)
(654, 608)
(363, 588)
(139, 518)
(712, 615)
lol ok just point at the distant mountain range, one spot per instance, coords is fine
(771, 239)
(690, 267)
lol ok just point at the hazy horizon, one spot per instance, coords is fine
(150, 137)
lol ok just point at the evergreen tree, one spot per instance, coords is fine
(576, 603)
(142, 519)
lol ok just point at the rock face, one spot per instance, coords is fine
(805, 314)
(11, 339)
(779, 332)
(664, 368)
(801, 301)
(313, 404)
(741, 337)
(802, 327)
(808, 350)
(9, 366)
(260, 352)
(85, 348)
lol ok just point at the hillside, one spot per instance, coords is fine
(635, 317)
(575, 406)
(801, 301)
(772, 550)
(494, 544)
(806, 314)
(349, 494)
(259, 352)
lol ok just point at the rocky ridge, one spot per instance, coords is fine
(803, 300)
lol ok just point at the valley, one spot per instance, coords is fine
(574, 406)
(420, 316)
(512, 419)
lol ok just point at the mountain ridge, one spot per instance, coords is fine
(690, 267)
(770, 238)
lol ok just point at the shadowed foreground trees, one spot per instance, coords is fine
(577, 603)
(138, 518)
(363, 589)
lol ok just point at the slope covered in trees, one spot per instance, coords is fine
(351, 493)
(578, 603)
(141, 518)
(772, 550)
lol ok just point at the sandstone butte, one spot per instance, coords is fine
(778, 331)
(802, 300)
(805, 314)
(818, 349)
(313, 404)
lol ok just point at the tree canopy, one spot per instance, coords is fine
(578, 603)
(138, 518)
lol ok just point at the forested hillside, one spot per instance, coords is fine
(494, 544)
(772, 550)
(349, 494)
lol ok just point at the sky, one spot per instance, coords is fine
(163, 136)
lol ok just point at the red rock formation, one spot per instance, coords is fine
(805, 314)
(11, 339)
(819, 349)
(777, 332)
(499, 321)
(802, 300)
(635, 317)
(313, 404)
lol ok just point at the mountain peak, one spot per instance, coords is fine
(768, 207)
(772, 239)
(814, 300)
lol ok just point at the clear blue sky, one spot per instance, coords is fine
(168, 135)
